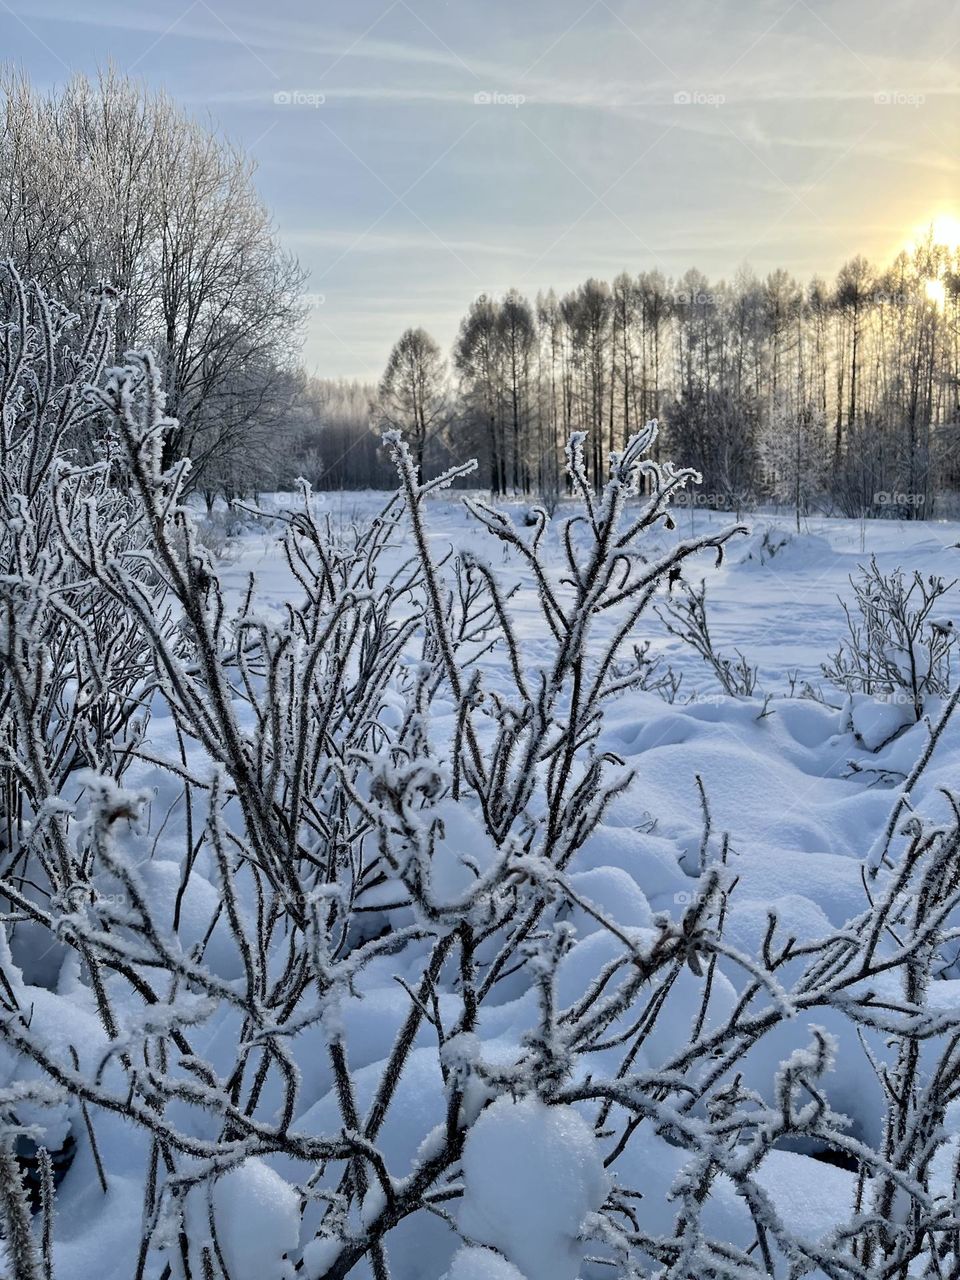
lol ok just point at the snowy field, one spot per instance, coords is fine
(800, 789)
(791, 783)
(782, 611)
(785, 786)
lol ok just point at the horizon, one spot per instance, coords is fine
(716, 138)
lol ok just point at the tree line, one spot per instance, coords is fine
(842, 394)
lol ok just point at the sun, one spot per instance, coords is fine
(945, 228)
(936, 292)
(941, 231)
(946, 231)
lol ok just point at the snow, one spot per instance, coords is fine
(481, 1264)
(532, 1174)
(257, 1217)
(875, 722)
(802, 788)
(462, 851)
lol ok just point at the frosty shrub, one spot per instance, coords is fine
(75, 664)
(684, 614)
(373, 1017)
(896, 645)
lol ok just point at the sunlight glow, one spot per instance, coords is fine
(936, 292)
(945, 228)
(941, 231)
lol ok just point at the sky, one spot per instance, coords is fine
(418, 153)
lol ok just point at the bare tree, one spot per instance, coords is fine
(478, 359)
(413, 390)
(107, 182)
(792, 452)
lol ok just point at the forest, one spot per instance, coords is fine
(839, 396)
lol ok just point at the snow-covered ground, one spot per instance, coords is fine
(801, 796)
(781, 611)
(802, 800)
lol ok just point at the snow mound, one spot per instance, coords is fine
(257, 1215)
(533, 1173)
(481, 1264)
(772, 545)
(875, 721)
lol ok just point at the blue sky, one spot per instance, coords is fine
(608, 135)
